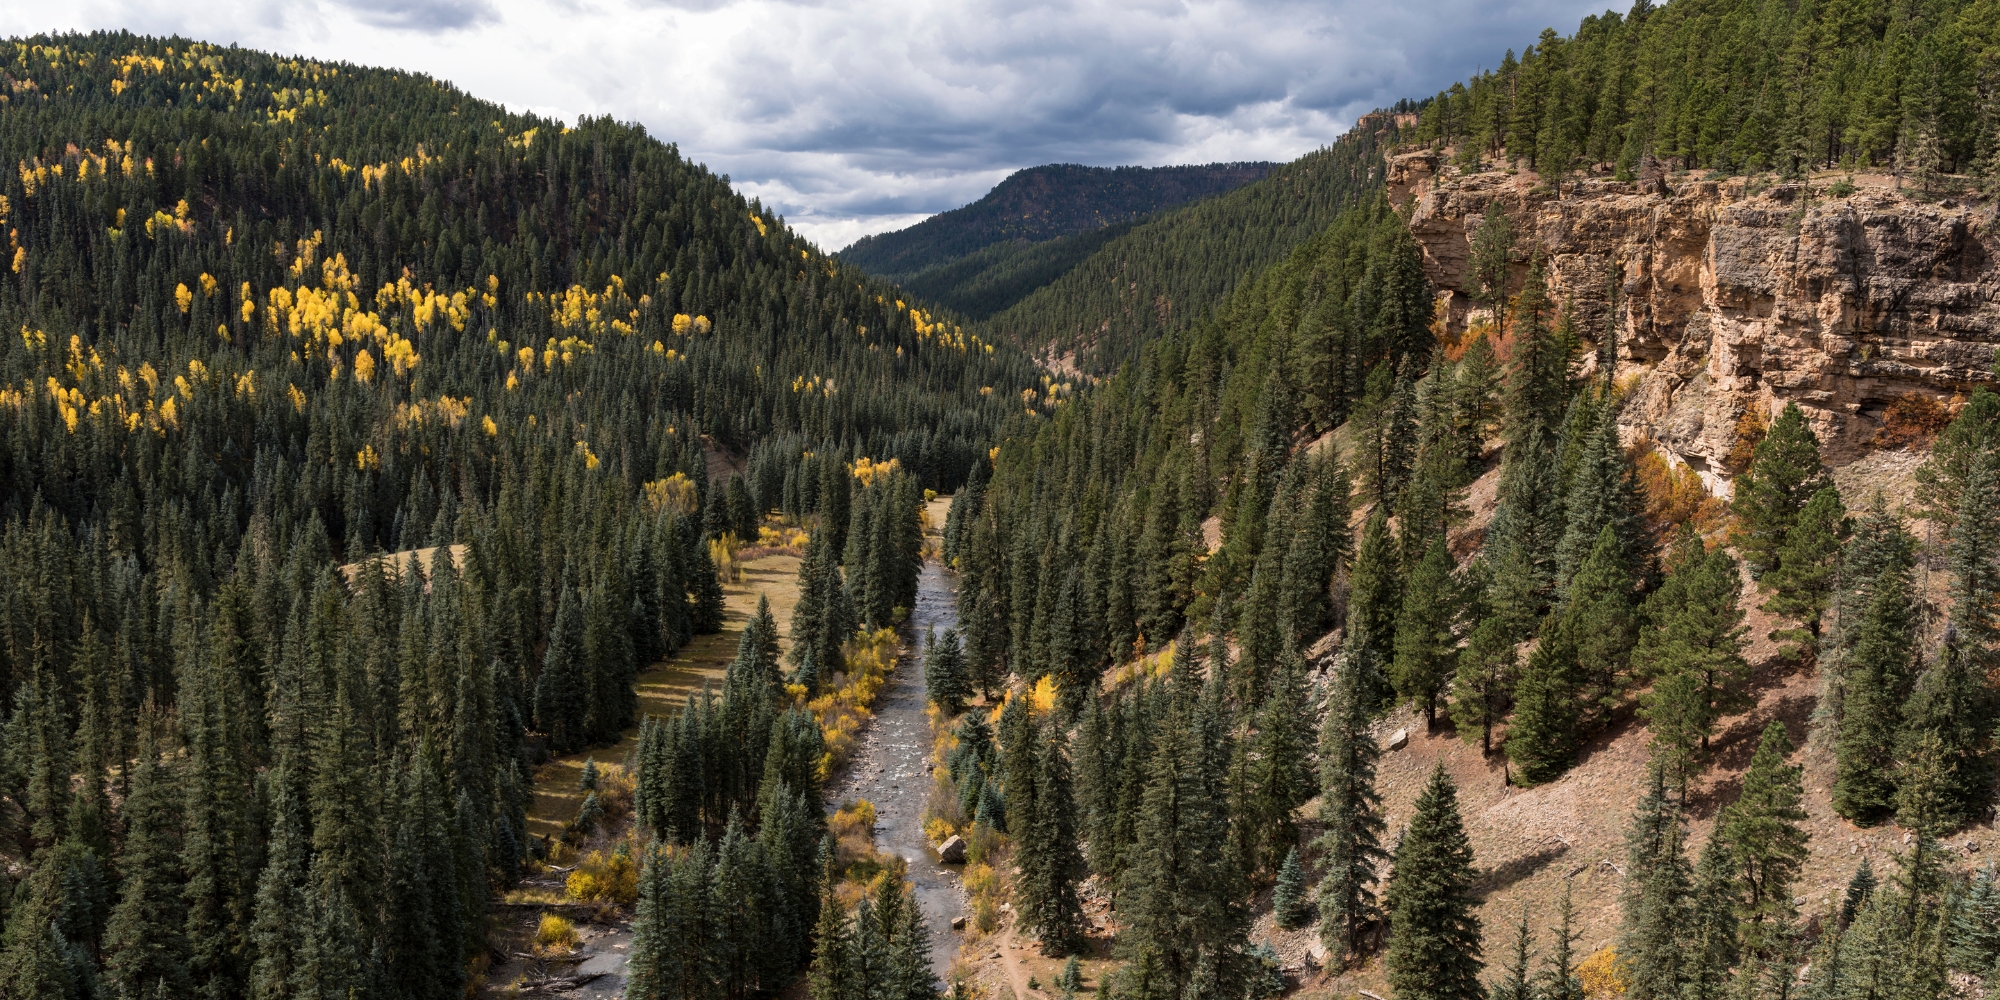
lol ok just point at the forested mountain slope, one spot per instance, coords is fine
(1043, 203)
(271, 315)
(1677, 511)
(1170, 271)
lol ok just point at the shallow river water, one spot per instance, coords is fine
(888, 770)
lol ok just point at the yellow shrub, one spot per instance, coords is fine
(936, 829)
(601, 879)
(1600, 975)
(555, 936)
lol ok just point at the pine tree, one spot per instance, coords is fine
(1802, 585)
(1546, 732)
(1426, 640)
(1290, 901)
(1711, 947)
(1484, 684)
(1050, 862)
(1764, 829)
(1783, 476)
(1280, 777)
(944, 672)
(1874, 671)
(1434, 929)
(1691, 648)
(1374, 603)
(144, 943)
(1949, 707)
(1350, 817)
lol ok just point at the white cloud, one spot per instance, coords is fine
(856, 116)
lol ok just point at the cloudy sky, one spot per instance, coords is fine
(859, 116)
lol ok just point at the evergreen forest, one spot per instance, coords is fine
(270, 320)
(1223, 564)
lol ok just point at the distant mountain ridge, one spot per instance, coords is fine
(1043, 203)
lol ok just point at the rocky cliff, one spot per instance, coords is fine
(1723, 297)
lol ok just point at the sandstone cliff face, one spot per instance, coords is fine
(1721, 300)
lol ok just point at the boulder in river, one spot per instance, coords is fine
(952, 850)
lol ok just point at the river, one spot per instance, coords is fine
(888, 770)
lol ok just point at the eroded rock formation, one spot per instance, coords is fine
(1722, 297)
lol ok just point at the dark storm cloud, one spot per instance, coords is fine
(851, 116)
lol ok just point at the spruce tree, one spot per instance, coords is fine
(1483, 686)
(1874, 673)
(1426, 639)
(1290, 900)
(1711, 947)
(1559, 979)
(1434, 929)
(1375, 601)
(1350, 816)
(144, 943)
(1547, 729)
(1950, 707)
(1764, 829)
(1802, 585)
(1051, 863)
(1657, 895)
(1181, 892)
(1783, 476)
(559, 693)
(1275, 773)
(944, 672)
(1517, 982)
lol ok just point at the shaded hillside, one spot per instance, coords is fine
(986, 281)
(1042, 203)
(1169, 271)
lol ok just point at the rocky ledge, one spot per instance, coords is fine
(1723, 296)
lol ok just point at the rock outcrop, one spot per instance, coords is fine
(1722, 297)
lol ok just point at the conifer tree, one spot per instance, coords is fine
(1051, 864)
(1559, 979)
(1517, 981)
(1658, 887)
(1599, 618)
(1375, 601)
(1181, 891)
(1874, 674)
(145, 947)
(1764, 829)
(1949, 709)
(1434, 929)
(1546, 732)
(1711, 947)
(559, 692)
(1483, 686)
(944, 672)
(1350, 816)
(1290, 903)
(1426, 639)
(1783, 476)
(1802, 585)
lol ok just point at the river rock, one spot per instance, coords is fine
(1399, 739)
(952, 850)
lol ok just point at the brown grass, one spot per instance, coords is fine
(664, 686)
